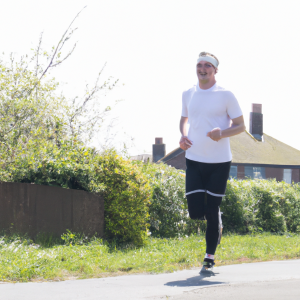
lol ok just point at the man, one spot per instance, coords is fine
(214, 115)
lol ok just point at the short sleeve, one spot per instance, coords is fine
(233, 107)
(184, 111)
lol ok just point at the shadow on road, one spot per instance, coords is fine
(196, 281)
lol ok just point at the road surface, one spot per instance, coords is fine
(267, 280)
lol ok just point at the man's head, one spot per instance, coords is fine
(207, 67)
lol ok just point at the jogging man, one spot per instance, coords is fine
(214, 115)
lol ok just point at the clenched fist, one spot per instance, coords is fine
(215, 134)
(185, 143)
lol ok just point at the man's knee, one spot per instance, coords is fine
(196, 206)
(213, 210)
(212, 217)
(195, 215)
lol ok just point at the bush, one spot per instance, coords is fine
(138, 196)
(261, 205)
(235, 215)
(122, 184)
(249, 206)
(69, 166)
(127, 197)
(269, 217)
(168, 209)
(289, 201)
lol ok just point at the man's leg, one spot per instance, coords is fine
(195, 191)
(213, 223)
(196, 205)
(215, 191)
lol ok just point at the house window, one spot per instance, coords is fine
(248, 172)
(287, 175)
(255, 172)
(259, 172)
(233, 172)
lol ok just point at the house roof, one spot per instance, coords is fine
(247, 150)
(171, 155)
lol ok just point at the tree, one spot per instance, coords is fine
(32, 112)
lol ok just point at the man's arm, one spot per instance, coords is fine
(237, 127)
(184, 142)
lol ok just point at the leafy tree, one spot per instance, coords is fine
(44, 140)
(32, 110)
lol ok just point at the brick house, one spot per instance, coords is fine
(254, 154)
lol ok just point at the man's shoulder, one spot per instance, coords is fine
(188, 93)
(190, 90)
(223, 90)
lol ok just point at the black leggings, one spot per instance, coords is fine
(205, 187)
(205, 206)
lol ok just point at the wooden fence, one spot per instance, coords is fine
(32, 209)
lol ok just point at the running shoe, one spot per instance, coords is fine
(208, 265)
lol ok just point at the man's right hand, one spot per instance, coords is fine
(185, 143)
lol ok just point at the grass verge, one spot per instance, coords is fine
(21, 260)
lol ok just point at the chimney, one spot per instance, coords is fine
(158, 150)
(256, 121)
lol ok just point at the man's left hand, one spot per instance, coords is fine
(215, 134)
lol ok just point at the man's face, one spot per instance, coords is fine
(205, 71)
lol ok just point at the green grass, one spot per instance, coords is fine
(22, 260)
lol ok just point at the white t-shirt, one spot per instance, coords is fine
(206, 110)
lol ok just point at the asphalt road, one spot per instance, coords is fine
(268, 280)
(273, 290)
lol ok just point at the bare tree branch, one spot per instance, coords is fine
(38, 53)
(56, 64)
(58, 46)
(60, 42)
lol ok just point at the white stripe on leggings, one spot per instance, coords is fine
(195, 191)
(217, 195)
(208, 192)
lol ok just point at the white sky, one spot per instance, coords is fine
(152, 47)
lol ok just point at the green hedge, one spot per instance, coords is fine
(249, 205)
(125, 189)
(127, 199)
(261, 205)
(168, 209)
(150, 196)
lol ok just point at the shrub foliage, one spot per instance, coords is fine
(127, 197)
(122, 184)
(168, 209)
(249, 205)
(142, 196)
(44, 138)
(261, 205)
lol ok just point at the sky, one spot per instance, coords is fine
(152, 48)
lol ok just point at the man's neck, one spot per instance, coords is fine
(205, 85)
